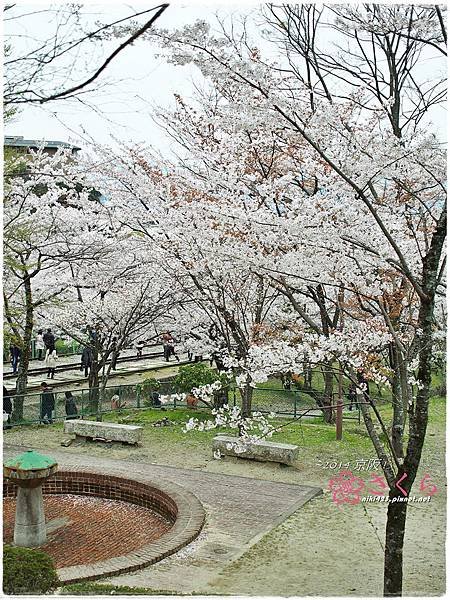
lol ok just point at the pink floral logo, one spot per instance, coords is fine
(345, 488)
(427, 486)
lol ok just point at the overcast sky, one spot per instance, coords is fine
(139, 80)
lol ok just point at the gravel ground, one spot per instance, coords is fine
(321, 549)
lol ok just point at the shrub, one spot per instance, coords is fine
(28, 571)
(147, 388)
(192, 376)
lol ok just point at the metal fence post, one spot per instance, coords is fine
(55, 415)
(138, 396)
(295, 405)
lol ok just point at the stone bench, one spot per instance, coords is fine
(260, 450)
(115, 432)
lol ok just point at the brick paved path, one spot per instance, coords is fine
(239, 511)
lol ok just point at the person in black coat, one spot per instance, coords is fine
(86, 360)
(49, 340)
(7, 407)
(71, 407)
(47, 404)
(15, 356)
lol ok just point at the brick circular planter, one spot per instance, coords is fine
(170, 500)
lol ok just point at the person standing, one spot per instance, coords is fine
(49, 339)
(139, 347)
(40, 346)
(172, 351)
(168, 346)
(50, 362)
(7, 407)
(15, 357)
(47, 404)
(86, 360)
(167, 341)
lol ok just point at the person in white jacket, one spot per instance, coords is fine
(40, 346)
(50, 362)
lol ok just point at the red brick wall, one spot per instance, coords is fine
(105, 486)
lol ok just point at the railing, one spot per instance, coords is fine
(72, 348)
(289, 403)
(88, 402)
(95, 402)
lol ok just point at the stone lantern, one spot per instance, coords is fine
(29, 471)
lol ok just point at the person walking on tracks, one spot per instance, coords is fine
(86, 360)
(47, 404)
(15, 352)
(169, 347)
(50, 362)
(49, 340)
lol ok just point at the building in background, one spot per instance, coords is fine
(18, 143)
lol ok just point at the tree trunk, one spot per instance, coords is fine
(327, 400)
(94, 382)
(22, 374)
(393, 554)
(397, 403)
(307, 373)
(221, 397)
(417, 412)
(246, 395)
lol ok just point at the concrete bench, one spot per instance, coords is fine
(115, 432)
(260, 450)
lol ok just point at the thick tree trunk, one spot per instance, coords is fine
(393, 554)
(307, 373)
(94, 383)
(246, 395)
(327, 400)
(22, 373)
(397, 403)
(418, 419)
(417, 412)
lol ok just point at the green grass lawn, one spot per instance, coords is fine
(312, 434)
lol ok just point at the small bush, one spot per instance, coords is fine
(148, 388)
(27, 571)
(192, 376)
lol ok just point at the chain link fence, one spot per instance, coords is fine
(85, 403)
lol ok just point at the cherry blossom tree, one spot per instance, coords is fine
(222, 307)
(48, 216)
(369, 178)
(123, 299)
